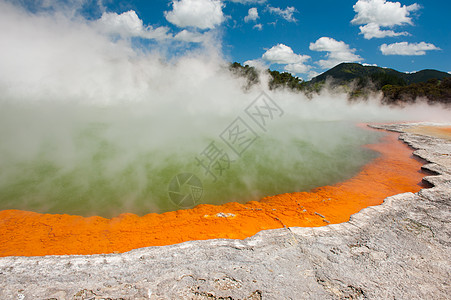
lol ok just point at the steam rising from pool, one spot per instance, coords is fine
(91, 125)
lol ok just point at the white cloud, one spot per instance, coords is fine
(282, 54)
(372, 30)
(252, 15)
(298, 68)
(192, 37)
(338, 52)
(405, 48)
(203, 14)
(258, 26)
(248, 1)
(286, 13)
(128, 24)
(381, 13)
(328, 44)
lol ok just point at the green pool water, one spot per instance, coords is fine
(103, 161)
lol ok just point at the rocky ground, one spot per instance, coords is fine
(398, 250)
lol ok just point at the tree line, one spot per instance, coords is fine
(393, 85)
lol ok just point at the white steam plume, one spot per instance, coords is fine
(87, 116)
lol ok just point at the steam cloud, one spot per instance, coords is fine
(92, 123)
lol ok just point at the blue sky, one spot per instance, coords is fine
(302, 37)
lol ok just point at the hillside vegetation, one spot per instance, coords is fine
(360, 81)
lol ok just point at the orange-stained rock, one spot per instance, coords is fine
(395, 171)
(437, 131)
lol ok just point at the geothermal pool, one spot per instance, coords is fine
(86, 178)
(105, 160)
(394, 171)
(80, 177)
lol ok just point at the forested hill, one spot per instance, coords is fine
(353, 71)
(360, 81)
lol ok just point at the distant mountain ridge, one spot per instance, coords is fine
(353, 71)
(360, 82)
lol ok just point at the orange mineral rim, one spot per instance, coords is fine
(24, 233)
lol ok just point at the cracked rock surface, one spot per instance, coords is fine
(397, 250)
